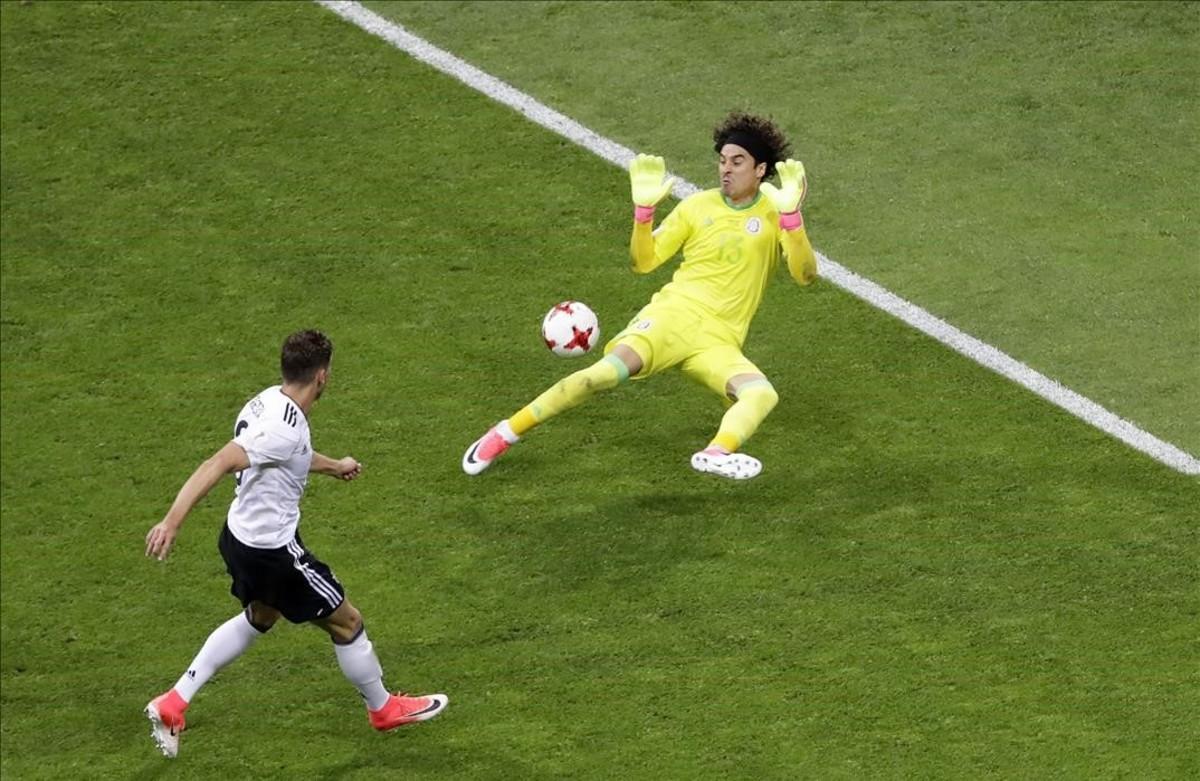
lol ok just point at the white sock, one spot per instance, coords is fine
(226, 643)
(505, 430)
(361, 667)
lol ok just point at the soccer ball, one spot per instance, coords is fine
(570, 329)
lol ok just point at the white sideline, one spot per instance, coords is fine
(863, 288)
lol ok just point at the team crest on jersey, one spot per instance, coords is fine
(753, 226)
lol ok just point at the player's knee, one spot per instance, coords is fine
(625, 361)
(345, 624)
(261, 617)
(605, 374)
(770, 396)
(354, 621)
(344, 635)
(760, 394)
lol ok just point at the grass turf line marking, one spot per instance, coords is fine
(861, 287)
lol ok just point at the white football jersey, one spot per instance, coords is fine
(273, 431)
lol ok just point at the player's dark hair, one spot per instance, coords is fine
(304, 352)
(757, 135)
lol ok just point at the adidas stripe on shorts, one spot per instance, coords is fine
(290, 579)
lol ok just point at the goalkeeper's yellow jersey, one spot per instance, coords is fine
(729, 254)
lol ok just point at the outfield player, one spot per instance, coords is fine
(273, 573)
(732, 239)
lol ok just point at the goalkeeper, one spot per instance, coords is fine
(733, 238)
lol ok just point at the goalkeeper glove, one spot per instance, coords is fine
(648, 182)
(790, 194)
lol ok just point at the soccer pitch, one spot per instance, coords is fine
(937, 575)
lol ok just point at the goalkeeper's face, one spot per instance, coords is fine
(739, 173)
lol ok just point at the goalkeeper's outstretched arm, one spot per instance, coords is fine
(787, 198)
(641, 248)
(649, 184)
(801, 260)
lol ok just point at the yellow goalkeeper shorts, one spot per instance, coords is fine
(667, 334)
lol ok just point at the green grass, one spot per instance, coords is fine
(1025, 170)
(938, 574)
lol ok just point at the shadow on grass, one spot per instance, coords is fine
(154, 768)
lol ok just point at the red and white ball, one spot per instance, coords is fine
(570, 328)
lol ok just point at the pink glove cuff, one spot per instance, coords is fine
(643, 213)
(791, 221)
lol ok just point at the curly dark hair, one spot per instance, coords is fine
(303, 353)
(767, 143)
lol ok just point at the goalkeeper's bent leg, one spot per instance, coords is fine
(755, 400)
(608, 372)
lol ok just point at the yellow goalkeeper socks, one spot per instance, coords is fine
(755, 400)
(609, 372)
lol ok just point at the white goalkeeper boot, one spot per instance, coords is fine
(735, 466)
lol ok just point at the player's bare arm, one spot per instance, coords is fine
(230, 458)
(342, 468)
(273, 574)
